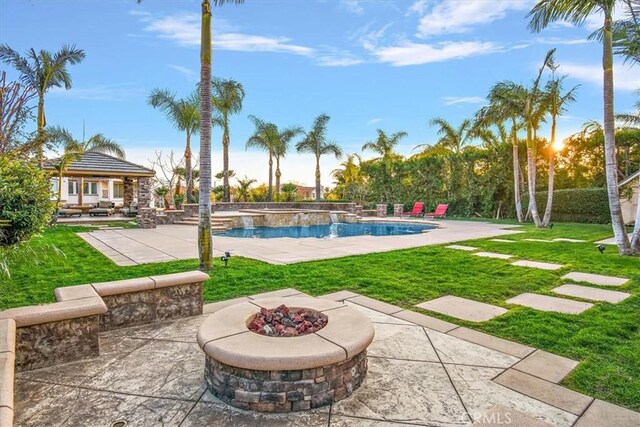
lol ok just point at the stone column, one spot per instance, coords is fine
(358, 210)
(127, 189)
(398, 209)
(147, 217)
(144, 192)
(381, 210)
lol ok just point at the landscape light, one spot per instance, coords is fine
(225, 258)
(601, 248)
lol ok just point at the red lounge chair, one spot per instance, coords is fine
(416, 211)
(440, 212)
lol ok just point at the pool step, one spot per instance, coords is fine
(193, 220)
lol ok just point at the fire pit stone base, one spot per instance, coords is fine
(285, 391)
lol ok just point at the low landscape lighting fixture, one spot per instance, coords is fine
(601, 248)
(225, 258)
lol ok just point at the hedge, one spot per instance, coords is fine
(585, 205)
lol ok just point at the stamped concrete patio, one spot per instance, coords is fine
(445, 376)
(172, 242)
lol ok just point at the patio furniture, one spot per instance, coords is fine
(67, 212)
(416, 211)
(104, 208)
(131, 211)
(82, 208)
(440, 212)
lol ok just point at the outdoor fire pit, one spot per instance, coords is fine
(285, 354)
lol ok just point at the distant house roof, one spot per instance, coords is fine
(629, 179)
(99, 164)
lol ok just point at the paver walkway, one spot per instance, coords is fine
(153, 375)
(462, 308)
(596, 279)
(547, 303)
(173, 242)
(593, 294)
(539, 265)
(462, 248)
(493, 255)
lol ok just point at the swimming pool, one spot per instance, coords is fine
(330, 230)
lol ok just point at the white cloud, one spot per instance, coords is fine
(625, 78)
(187, 72)
(595, 21)
(561, 41)
(409, 53)
(455, 16)
(100, 92)
(455, 100)
(419, 7)
(354, 6)
(374, 121)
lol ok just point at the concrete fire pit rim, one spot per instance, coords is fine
(225, 337)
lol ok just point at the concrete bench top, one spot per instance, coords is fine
(58, 311)
(224, 336)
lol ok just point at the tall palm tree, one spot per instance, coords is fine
(43, 70)
(315, 142)
(453, 138)
(227, 100)
(557, 103)
(73, 149)
(384, 145)
(505, 105)
(265, 137)
(205, 239)
(281, 148)
(576, 12)
(185, 115)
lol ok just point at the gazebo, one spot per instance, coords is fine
(97, 177)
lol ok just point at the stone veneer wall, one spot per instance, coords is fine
(169, 217)
(325, 206)
(285, 391)
(398, 209)
(144, 192)
(147, 217)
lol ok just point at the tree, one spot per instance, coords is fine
(73, 149)
(14, 112)
(265, 138)
(350, 181)
(281, 147)
(556, 102)
(243, 191)
(385, 145)
(43, 70)
(227, 99)
(505, 105)
(452, 138)
(576, 12)
(185, 115)
(315, 142)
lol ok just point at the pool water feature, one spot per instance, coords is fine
(330, 230)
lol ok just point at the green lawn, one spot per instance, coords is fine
(606, 338)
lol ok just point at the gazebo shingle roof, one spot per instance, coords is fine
(103, 165)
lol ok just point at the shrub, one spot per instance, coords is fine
(586, 205)
(24, 200)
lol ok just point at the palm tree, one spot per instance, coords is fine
(185, 115)
(384, 145)
(265, 137)
(74, 149)
(505, 105)
(244, 188)
(281, 148)
(576, 12)
(453, 138)
(227, 99)
(557, 102)
(43, 70)
(315, 142)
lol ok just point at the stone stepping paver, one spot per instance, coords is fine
(593, 294)
(564, 239)
(546, 303)
(462, 248)
(548, 392)
(536, 264)
(602, 413)
(596, 279)
(426, 321)
(495, 343)
(462, 308)
(539, 240)
(547, 366)
(493, 255)
(502, 240)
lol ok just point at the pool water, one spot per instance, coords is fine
(330, 230)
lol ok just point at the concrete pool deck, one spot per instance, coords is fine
(174, 242)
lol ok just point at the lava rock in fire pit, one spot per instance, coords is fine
(287, 322)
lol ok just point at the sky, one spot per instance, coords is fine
(369, 64)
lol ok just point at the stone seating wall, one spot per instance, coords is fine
(38, 336)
